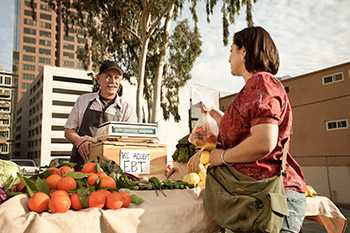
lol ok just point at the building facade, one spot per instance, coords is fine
(321, 134)
(40, 40)
(43, 111)
(7, 100)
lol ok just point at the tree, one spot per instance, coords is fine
(123, 30)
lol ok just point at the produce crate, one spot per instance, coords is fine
(134, 156)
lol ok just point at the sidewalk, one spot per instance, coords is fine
(313, 227)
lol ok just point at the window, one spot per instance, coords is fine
(45, 42)
(44, 60)
(45, 34)
(68, 63)
(337, 124)
(29, 40)
(29, 13)
(29, 22)
(338, 77)
(30, 31)
(68, 38)
(29, 49)
(62, 103)
(26, 86)
(5, 93)
(4, 134)
(28, 3)
(27, 76)
(45, 51)
(45, 25)
(7, 80)
(45, 16)
(28, 58)
(44, 7)
(68, 46)
(4, 122)
(5, 109)
(68, 55)
(72, 80)
(4, 148)
(28, 67)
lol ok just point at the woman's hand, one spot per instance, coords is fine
(215, 157)
(193, 163)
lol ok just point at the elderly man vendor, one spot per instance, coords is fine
(92, 109)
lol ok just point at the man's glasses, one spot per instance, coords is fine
(113, 78)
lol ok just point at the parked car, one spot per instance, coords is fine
(28, 166)
(58, 162)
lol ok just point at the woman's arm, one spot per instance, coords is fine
(216, 114)
(262, 141)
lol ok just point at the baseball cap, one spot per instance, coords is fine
(108, 65)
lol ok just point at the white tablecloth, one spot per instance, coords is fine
(181, 212)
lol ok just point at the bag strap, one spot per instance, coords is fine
(284, 157)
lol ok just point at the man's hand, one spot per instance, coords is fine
(84, 146)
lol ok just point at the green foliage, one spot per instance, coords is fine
(184, 150)
(117, 30)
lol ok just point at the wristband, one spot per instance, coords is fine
(222, 158)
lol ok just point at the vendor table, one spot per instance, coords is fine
(180, 212)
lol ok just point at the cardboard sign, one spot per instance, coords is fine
(135, 161)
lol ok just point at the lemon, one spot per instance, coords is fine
(205, 157)
(192, 178)
(202, 174)
(310, 191)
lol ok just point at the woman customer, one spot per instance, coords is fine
(258, 123)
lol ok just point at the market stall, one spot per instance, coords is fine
(181, 211)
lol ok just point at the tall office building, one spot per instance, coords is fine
(41, 40)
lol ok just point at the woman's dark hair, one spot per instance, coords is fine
(261, 52)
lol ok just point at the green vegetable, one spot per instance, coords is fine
(136, 199)
(8, 177)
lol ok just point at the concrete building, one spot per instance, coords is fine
(7, 99)
(43, 111)
(40, 40)
(321, 134)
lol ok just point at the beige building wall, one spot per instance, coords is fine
(321, 132)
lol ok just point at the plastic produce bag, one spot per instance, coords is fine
(205, 132)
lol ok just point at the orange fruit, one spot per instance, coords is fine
(75, 200)
(114, 201)
(39, 202)
(52, 180)
(92, 179)
(89, 167)
(97, 199)
(107, 182)
(104, 192)
(59, 202)
(54, 170)
(126, 198)
(66, 183)
(101, 174)
(65, 169)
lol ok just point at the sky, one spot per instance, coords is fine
(309, 35)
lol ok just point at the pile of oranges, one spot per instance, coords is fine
(100, 191)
